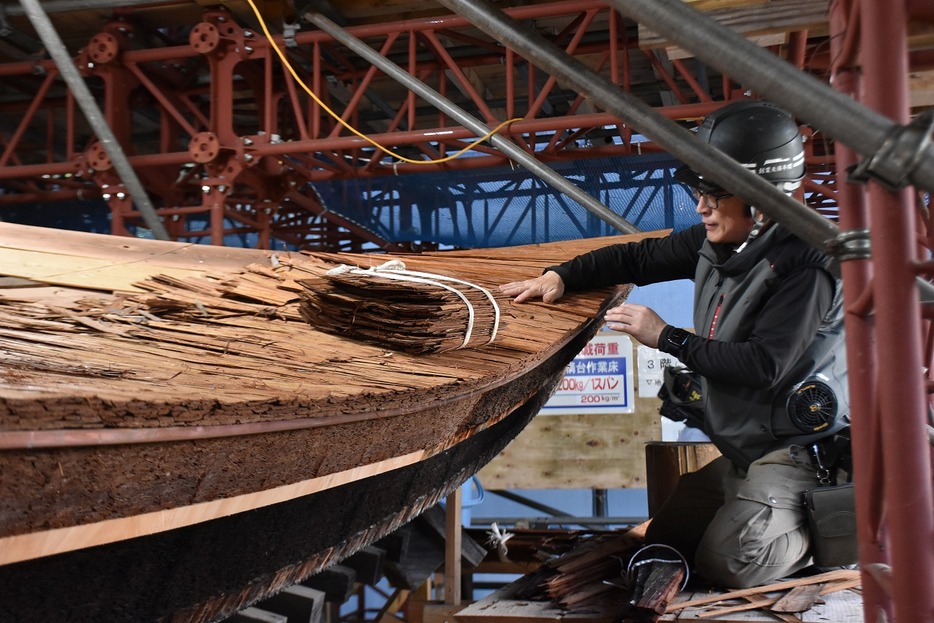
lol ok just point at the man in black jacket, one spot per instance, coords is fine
(768, 322)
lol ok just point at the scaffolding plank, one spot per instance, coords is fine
(777, 16)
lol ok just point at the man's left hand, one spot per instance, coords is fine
(638, 321)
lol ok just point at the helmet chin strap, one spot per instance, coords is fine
(761, 222)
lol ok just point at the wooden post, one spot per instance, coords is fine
(665, 461)
(452, 549)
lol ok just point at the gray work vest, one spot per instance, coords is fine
(746, 423)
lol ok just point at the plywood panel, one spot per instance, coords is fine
(582, 451)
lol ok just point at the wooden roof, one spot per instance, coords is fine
(108, 341)
(98, 300)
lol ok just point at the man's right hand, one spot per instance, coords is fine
(549, 287)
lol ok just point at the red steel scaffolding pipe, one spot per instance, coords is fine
(902, 401)
(857, 284)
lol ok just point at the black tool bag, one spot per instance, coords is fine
(682, 396)
(831, 507)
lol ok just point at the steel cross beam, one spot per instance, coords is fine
(223, 140)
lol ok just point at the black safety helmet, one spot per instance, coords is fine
(760, 136)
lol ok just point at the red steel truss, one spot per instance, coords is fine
(221, 135)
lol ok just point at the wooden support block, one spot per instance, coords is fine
(396, 545)
(368, 563)
(666, 461)
(255, 615)
(300, 604)
(425, 550)
(336, 582)
(471, 551)
(660, 587)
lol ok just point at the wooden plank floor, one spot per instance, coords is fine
(504, 607)
(507, 606)
(840, 607)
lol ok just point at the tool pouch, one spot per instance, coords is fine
(831, 513)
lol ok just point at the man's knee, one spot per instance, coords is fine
(726, 571)
(732, 573)
(742, 565)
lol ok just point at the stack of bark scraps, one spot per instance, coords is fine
(830, 596)
(649, 576)
(410, 311)
(604, 578)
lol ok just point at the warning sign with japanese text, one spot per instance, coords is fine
(599, 380)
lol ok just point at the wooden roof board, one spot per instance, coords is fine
(192, 342)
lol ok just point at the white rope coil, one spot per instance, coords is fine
(395, 269)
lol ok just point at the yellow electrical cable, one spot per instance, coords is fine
(294, 74)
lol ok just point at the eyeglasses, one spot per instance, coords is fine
(711, 200)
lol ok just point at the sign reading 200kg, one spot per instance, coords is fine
(599, 380)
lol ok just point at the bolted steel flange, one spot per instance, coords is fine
(204, 147)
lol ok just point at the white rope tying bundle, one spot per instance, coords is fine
(395, 269)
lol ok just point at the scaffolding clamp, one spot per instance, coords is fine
(852, 244)
(289, 30)
(898, 156)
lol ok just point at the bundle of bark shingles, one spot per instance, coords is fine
(404, 310)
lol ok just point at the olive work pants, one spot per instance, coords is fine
(740, 529)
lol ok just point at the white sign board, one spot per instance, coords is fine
(652, 364)
(599, 380)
